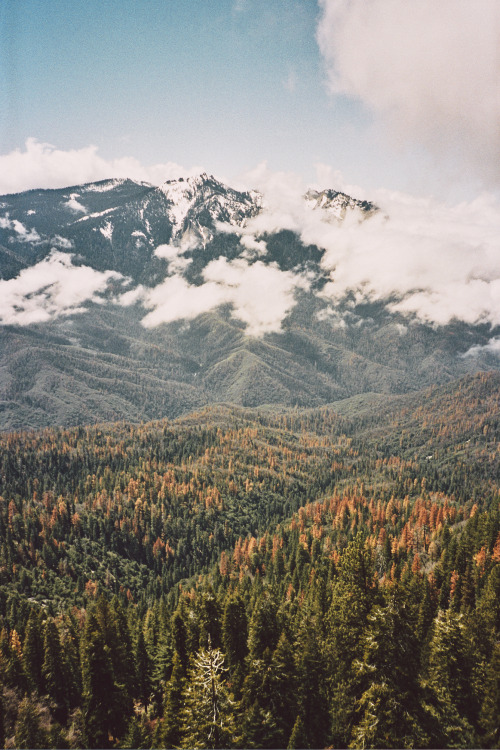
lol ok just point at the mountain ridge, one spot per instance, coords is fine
(95, 359)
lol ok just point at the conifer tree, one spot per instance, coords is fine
(313, 727)
(449, 677)
(105, 703)
(234, 637)
(209, 709)
(179, 639)
(172, 724)
(53, 669)
(490, 710)
(353, 595)
(388, 711)
(143, 666)
(33, 652)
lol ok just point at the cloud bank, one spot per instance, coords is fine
(428, 70)
(428, 259)
(51, 288)
(260, 295)
(41, 165)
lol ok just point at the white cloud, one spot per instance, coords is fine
(41, 165)
(429, 70)
(51, 288)
(260, 295)
(24, 235)
(492, 347)
(173, 254)
(74, 204)
(432, 260)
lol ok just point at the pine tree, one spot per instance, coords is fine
(490, 710)
(234, 640)
(179, 638)
(33, 652)
(313, 727)
(388, 711)
(353, 595)
(209, 711)
(53, 669)
(105, 703)
(143, 667)
(449, 677)
(172, 725)
(264, 630)
(121, 651)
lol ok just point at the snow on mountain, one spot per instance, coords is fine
(337, 204)
(197, 203)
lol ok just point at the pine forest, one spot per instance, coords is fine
(256, 578)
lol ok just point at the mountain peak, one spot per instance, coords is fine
(336, 203)
(197, 202)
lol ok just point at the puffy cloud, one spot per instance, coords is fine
(425, 258)
(174, 255)
(429, 70)
(437, 262)
(23, 234)
(492, 347)
(74, 204)
(49, 289)
(260, 295)
(41, 165)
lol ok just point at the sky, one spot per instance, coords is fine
(373, 93)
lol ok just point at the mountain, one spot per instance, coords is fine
(122, 300)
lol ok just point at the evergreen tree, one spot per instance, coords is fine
(313, 719)
(234, 640)
(122, 656)
(353, 595)
(235, 631)
(449, 677)
(264, 630)
(179, 638)
(172, 725)
(105, 704)
(209, 710)
(490, 710)
(143, 667)
(33, 652)
(53, 669)
(388, 712)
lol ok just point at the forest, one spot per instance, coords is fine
(262, 578)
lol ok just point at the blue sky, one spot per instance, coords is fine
(224, 85)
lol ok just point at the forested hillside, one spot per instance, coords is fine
(256, 578)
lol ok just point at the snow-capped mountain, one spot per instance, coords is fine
(336, 204)
(120, 299)
(196, 204)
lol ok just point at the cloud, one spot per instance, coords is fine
(423, 258)
(261, 295)
(23, 234)
(429, 70)
(492, 347)
(74, 204)
(41, 165)
(173, 254)
(436, 262)
(51, 288)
